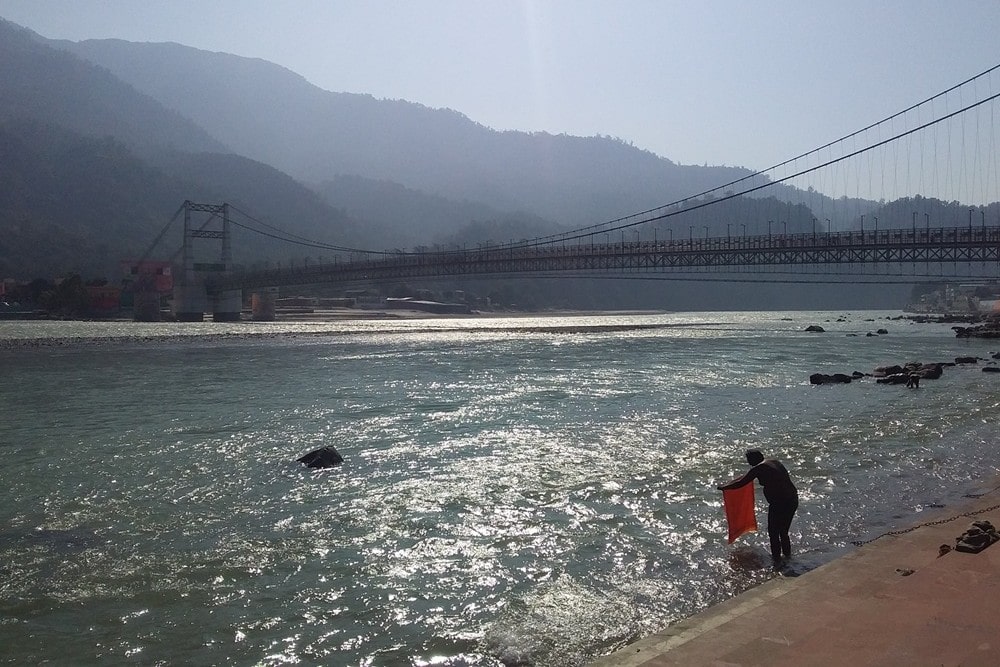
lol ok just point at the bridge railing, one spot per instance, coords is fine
(851, 246)
(937, 235)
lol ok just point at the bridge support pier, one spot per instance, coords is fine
(190, 302)
(146, 307)
(227, 306)
(145, 300)
(262, 305)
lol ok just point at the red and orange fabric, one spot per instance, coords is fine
(741, 512)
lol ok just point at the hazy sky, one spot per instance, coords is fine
(735, 83)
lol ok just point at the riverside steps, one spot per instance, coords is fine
(893, 601)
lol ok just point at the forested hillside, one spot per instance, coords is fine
(91, 170)
(71, 203)
(410, 218)
(44, 84)
(75, 203)
(276, 116)
(95, 158)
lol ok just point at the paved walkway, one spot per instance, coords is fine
(891, 602)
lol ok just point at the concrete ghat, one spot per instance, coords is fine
(891, 602)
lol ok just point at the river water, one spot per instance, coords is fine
(535, 491)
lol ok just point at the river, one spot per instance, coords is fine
(533, 491)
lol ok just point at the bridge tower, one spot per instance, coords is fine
(191, 296)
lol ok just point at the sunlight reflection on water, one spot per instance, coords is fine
(509, 493)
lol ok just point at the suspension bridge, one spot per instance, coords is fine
(901, 154)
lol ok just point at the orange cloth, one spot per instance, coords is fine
(740, 511)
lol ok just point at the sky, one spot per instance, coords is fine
(699, 82)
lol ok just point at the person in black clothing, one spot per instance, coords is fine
(782, 499)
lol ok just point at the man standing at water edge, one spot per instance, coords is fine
(782, 499)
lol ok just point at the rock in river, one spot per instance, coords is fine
(325, 457)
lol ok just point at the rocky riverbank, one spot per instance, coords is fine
(983, 326)
(910, 373)
(989, 329)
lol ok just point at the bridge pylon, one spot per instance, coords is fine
(191, 296)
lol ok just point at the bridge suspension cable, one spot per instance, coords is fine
(628, 221)
(289, 237)
(159, 237)
(581, 233)
(683, 205)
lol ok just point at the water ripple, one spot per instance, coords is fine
(514, 492)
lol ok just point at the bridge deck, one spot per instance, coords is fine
(586, 256)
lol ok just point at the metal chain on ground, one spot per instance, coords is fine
(860, 543)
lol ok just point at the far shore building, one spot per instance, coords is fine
(146, 285)
(105, 300)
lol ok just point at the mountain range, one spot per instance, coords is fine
(101, 141)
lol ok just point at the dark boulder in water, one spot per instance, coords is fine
(823, 378)
(908, 373)
(991, 329)
(930, 371)
(815, 328)
(325, 457)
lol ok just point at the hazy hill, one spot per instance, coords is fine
(70, 203)
(407, 218)
(263, 193)
(51, 86)
(920, 212)
(274, 115)
(91, 170)
(75, 203)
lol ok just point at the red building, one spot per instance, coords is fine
(157, 274)
(104, 300)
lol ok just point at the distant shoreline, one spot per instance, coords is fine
(322, 317)
(340, 314)
(345, 315)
